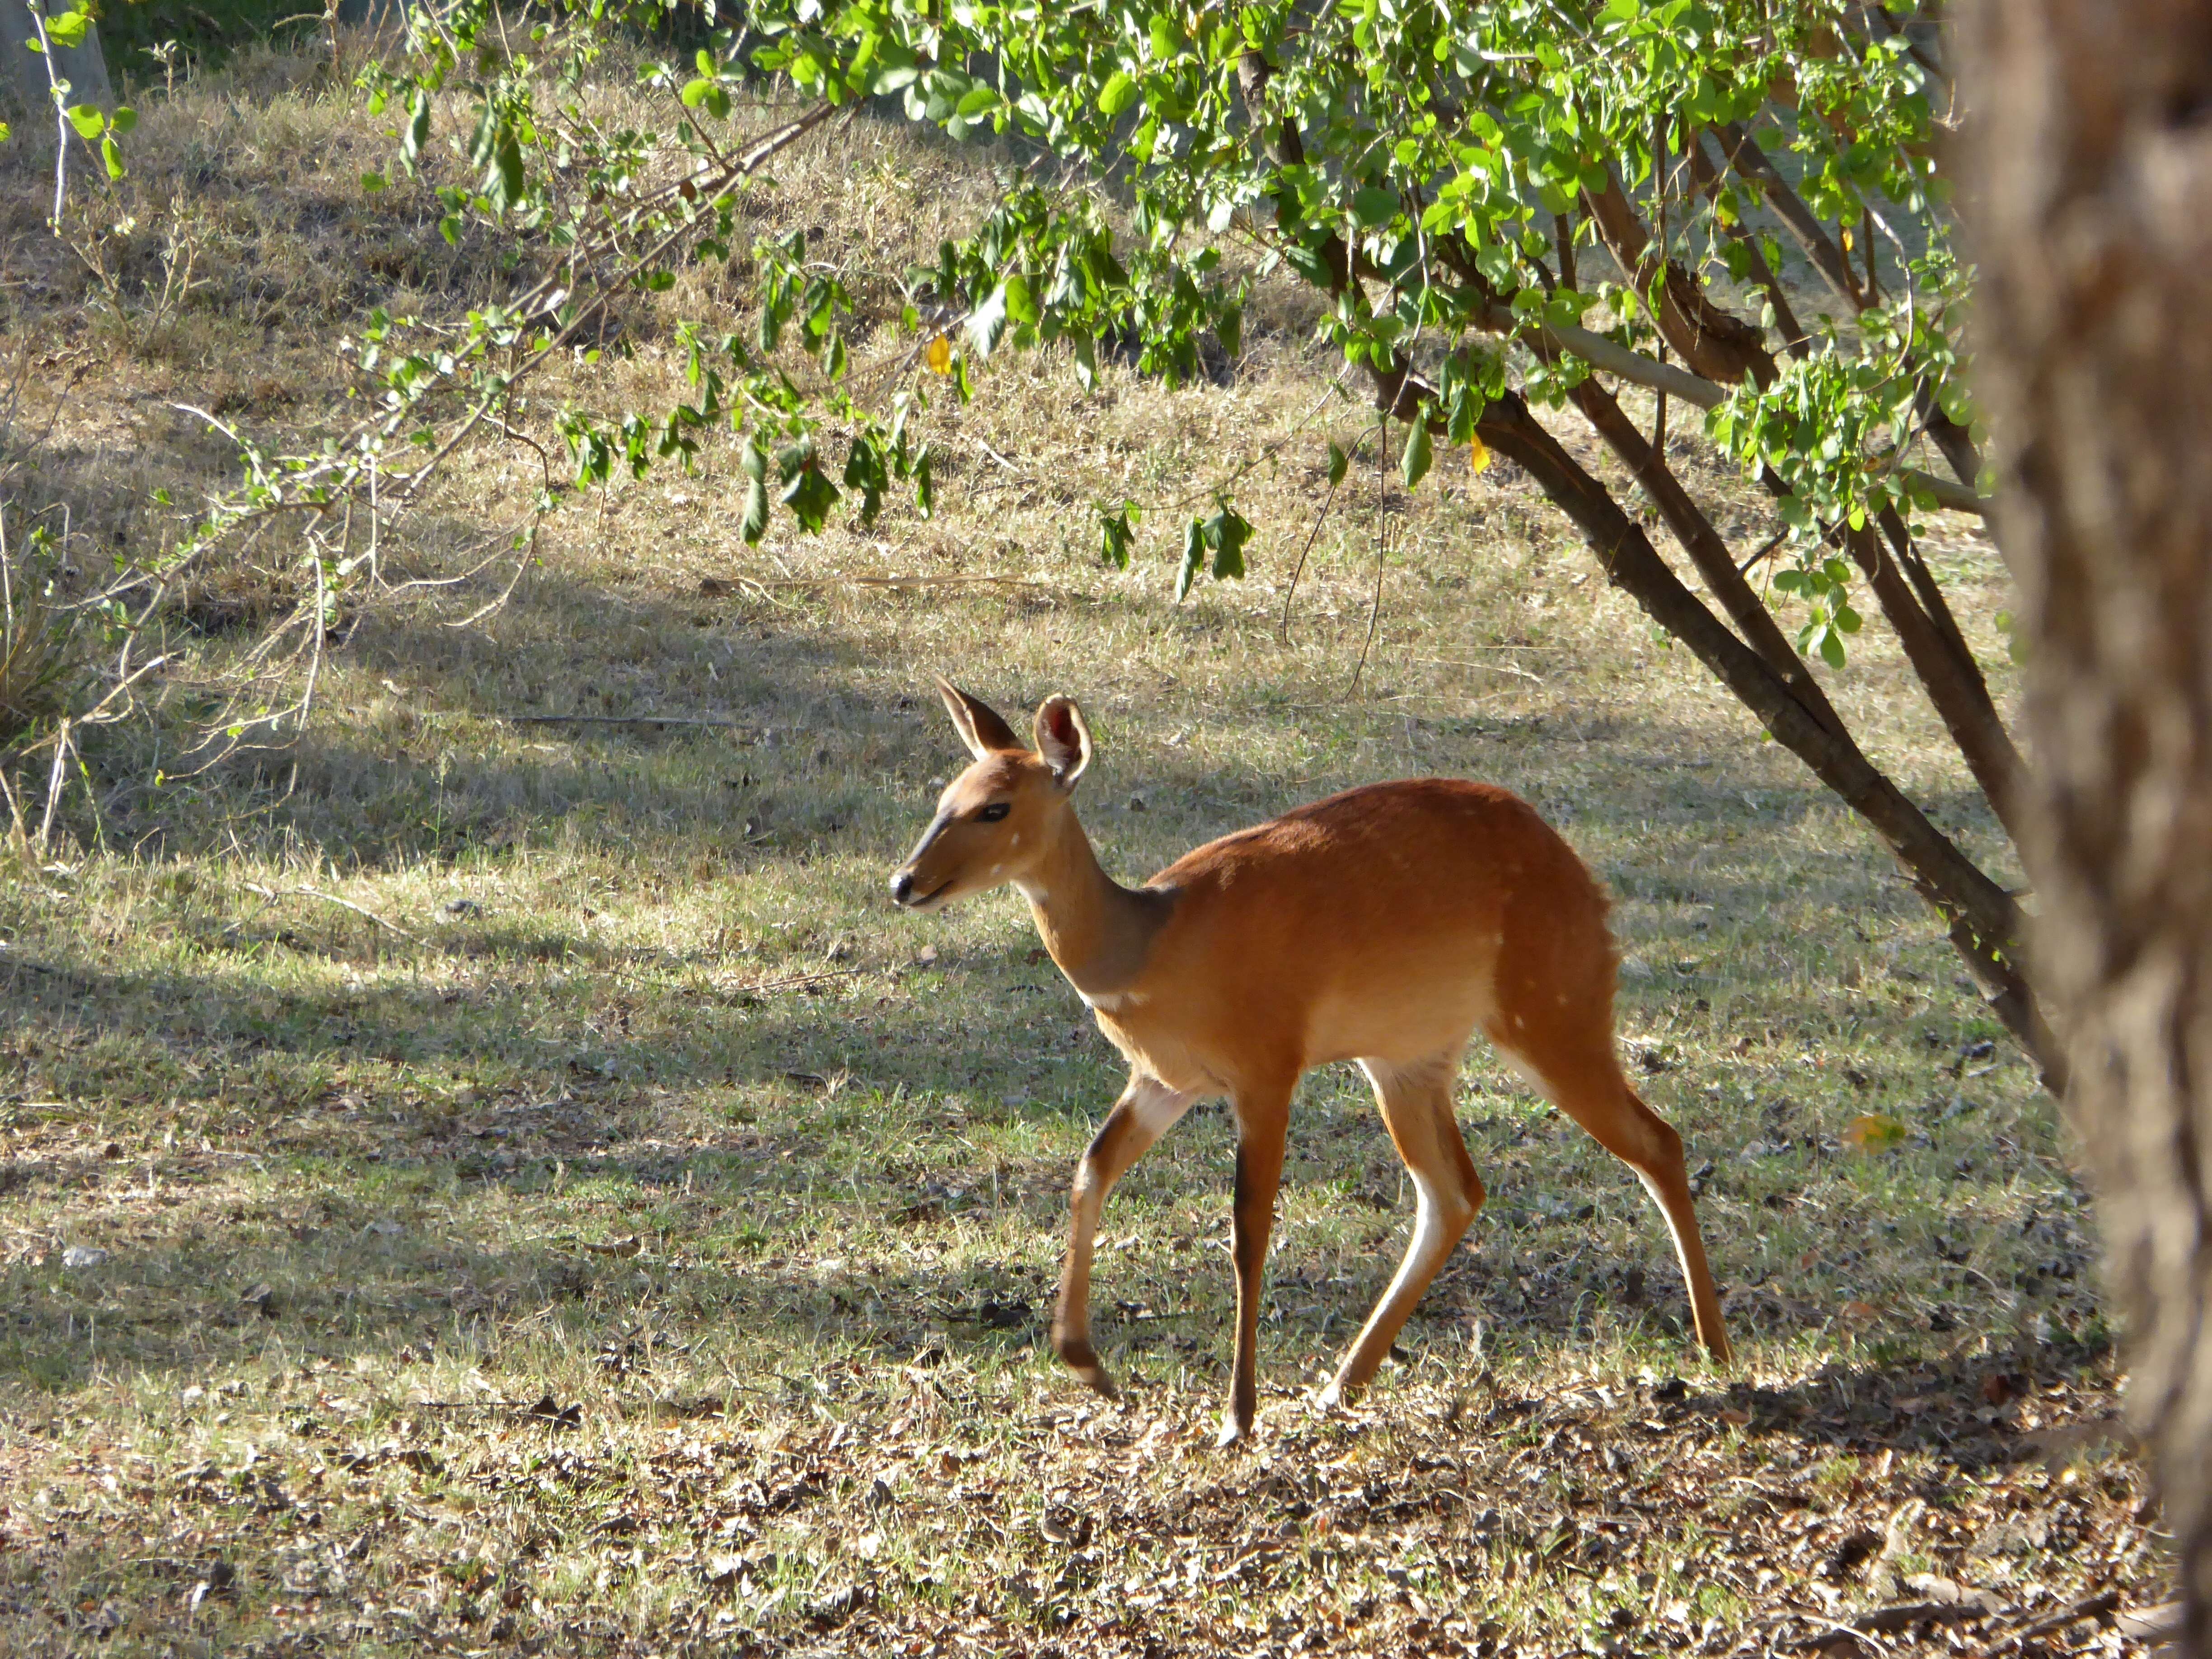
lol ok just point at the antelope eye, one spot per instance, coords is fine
(993, 812)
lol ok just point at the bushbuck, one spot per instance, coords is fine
(1385, 924)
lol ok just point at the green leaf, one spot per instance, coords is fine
(810, 496)
(1116, 536)
(1413, 465)
(1118, 94)
(1193, 559)
(695, 93)
(124, 119)
(986, 325)
(865, 472)
(111, 156)
(925, 485)
(506, 171)
(68, 29)
(3, 132)
(449, 228)
(418, 128)
(1339, 462)
(1372, 206)
(1228, 532)
(754, 522)
(372, 181)
(88, 121)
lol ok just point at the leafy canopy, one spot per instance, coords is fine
(1494, 198)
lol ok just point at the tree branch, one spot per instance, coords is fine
(1957, 689)
(1795, 340)
(1950, 882)
(1717, 345)
(1707, 551)
(1742, 153)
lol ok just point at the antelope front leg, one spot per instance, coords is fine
(1262, 1126)
(1148, 1109)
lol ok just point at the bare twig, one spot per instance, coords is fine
(893, 581)
(619, 720)
(273, 894)
(2089, 1606)
(1382, 546)
(789, 984)
(1283, 627)
(54, 784)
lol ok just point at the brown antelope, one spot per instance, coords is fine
(1383, 925)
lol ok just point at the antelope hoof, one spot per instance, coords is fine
(1232, 1432)
(1330, 1398)
(1081, 1359)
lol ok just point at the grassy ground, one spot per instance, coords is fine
(487, 1184)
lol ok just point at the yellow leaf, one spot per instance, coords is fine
(1874, 1132)
(1847, 239)
(939, 355)
(1478, 454)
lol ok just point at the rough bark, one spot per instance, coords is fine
(2088, 170)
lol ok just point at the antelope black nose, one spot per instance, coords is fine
(902, 886)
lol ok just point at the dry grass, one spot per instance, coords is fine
(483, 1185)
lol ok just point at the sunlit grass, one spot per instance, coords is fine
(614, 1226)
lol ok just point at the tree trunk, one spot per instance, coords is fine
(2089, 185)
(82, 66)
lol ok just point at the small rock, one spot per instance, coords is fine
(1635, 968)
(83, 1255)
(386, 1227)
(262, 1298)
(462, 907)
(1136, 803)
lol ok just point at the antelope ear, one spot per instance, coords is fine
(1063, 741)
(980, 726)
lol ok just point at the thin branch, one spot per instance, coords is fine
(1283, 627)
(273, 894)
(1382, 545)
(621, 720)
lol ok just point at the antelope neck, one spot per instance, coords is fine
(1099, 931)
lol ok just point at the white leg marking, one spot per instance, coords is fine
(1157, 1107)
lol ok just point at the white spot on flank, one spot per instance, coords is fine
(1016, 840)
